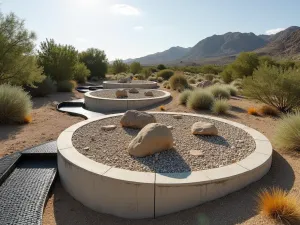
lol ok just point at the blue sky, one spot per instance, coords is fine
(134, 28)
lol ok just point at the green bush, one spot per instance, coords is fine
(65, 86)
(160, 79)
(184, 96)
(220, 106)
(161, 67)
(200, 99)
(147, 72)
(81, 72)
(178, 81)
(274, 86)
(287, 132)
(209, 77)
(15, 104)
(231, 89)
(135, 67)
(41, 89)
(219, 91)
(165, 74)
(139, 76)
(119, 66)
(217, 81)
(165, 83)
(152, 78)
(237, 83)
(192, 81)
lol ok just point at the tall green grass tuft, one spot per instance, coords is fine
(219, 91)
(178, 81)
(184, 96)
(15, 104)
(220, 106)
(200, 99)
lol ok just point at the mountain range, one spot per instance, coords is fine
(222, 49)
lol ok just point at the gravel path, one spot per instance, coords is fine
(109, 147)
(111, 93)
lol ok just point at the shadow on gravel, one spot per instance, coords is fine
(234, 208)
(219, 140)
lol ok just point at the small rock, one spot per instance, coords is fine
(108, 127)
(232, 147)
(204, 84)
(177, 116)
(136, 119)
(204, 128)
(86, 148)
(121, 93)
(153, 138)
(196, 153)
(174, 143)
(170, 127)
(123, 80)
(148, 93)
(133, 91)
(54, 103)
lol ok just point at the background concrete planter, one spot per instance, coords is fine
(100, 104)
(134, 84)
(131, 194)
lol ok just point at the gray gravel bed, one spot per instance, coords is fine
(111, 93)
(110, 147)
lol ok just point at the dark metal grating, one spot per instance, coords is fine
(7, 165)
(49, 147)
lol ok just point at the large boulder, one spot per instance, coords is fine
(204, 84)
(204, 128)
(153, 138)
(121, 93)
(148, 93)
(136, 119)
(133, 90)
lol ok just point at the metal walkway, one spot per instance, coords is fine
(25, 181)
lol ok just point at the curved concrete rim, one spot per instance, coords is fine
(115, 84)
(166, 94)
(135, 82)
(261, 154)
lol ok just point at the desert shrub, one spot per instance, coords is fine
(274, 86)
(161, 67)
(81, 73)
(199, 79)
(209, 77)
(200, 99)
(118, 66)
(135, 67)
(139, 77)
(95, 79)
(217, 81)
(219, 91)
(192, 81)
(268, 110)
(152, 78)
(184, 96)
(279, 205)
(160, 79)
(287, 132)
(237, 83)
(220, 106)
(165, 74)
(233, 91)
(147, 72)
(165, 83)
(178, 81)
(168, 86)
(252, 111)
(65, 86)
(15, 104)
(42, 89)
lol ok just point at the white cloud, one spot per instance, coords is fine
(124, 9)
(80, 39)
(274, 31)
(138, 28)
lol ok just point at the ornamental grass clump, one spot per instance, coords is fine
(219, 92)
(287, 133)
(220, 106)
(66, 86)
(178, 82)
(279, 205)
(200, 99)
(268, 110)
(165, 74)
(15, 104)
(184, 96)
(231, 89)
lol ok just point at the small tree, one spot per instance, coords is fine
(17, 63)
(161, 67)
(244, 65)
(274, 86)
(96, 61)
(81, 72)
(135, 67)
(57, 60)
(119, 66)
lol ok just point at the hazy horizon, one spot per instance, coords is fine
(132, 28)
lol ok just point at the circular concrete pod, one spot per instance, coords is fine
(131, 194)
(104, 104)
(134, 84)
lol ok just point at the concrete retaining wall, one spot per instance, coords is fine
(131, 194)
(116, 85)
(98, 104)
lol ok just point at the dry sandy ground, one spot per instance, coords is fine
(236, 208)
